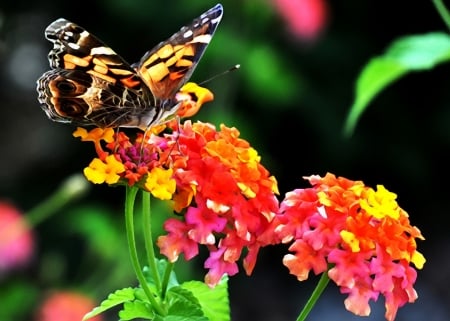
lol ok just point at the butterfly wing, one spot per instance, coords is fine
(171, 63)
(75, 48)
(75, 96)
(90, 84)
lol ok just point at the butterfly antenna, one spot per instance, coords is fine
(235, 67)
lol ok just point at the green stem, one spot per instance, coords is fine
(73, 187)
(129, 224)
(165, 283)
(324, 279)
(148, 239)
(442, 11)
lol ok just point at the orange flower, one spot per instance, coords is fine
(97, 135)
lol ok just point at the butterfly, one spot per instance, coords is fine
(89, 84)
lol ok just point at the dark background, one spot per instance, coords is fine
(289, 99)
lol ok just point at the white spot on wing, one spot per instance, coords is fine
(217, 20)
(73, 46)
(202, 38)
(102, 51)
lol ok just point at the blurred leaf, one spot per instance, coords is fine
(114, 299)
(214, 301)
(17, 299)
(95, 224)
(411, 53)
(269, 77)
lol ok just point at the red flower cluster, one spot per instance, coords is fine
(214, 178)
(363, 233)
(227, 196)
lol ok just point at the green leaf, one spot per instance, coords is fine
(410, 53)
(183, 318)
(114, 299)
(214, 301)
(182, 302)
(136, 309)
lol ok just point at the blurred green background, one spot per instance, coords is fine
(289, 100)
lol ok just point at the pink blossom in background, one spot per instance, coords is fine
(66, 306)
(16, 238)
(306, 19)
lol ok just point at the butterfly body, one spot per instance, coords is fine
(89, 84)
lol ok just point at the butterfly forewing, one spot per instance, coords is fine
(170, 64)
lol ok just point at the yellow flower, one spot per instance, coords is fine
(100, 172)
(350, 239)
(191, 97)
(418, 259)
(380, 203)
(160, 183)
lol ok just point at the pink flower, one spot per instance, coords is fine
(16, 238)
(306, 19)
(66, 306)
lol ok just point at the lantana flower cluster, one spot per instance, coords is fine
(227, 201)
(214, 178)
(360, 232)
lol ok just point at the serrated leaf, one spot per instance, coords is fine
(214, 301)
(136, 309)
(182, 302)
(410, 53)
(183, 318)
(114, 299)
